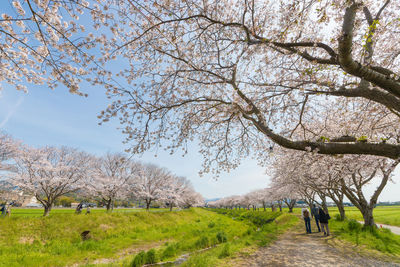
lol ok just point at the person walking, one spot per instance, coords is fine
(306, 216)
(88, 209)
(323, 219)
(315, 213)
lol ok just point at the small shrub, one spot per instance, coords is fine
(221, 237)
(211, 224)
(226, 252)
(354, 226)
(203, 242)
(198, 220)
(170, 251)
(249, 231)
(151, 256)
(139, 259)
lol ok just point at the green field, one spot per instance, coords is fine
(29, 239)
(382, 214)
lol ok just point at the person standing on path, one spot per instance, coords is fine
(315, 213)
(306, 216)
(323, 219)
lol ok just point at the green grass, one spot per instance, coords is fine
(261, 232)
(374, 239)
(382, 214)
(28, 239)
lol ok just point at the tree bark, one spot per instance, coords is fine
(367, 213)
(170, 206)
(148, 202)
(47, 209)
(109, 205)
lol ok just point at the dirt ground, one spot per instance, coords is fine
(296, 248)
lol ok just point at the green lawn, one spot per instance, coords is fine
(28, 239)
(382, 214)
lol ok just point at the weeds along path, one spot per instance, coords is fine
(296, 248)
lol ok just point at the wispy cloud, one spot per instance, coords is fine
(11, 112)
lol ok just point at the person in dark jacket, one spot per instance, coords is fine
(323, 219)
(315, 213)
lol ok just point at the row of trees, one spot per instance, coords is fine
(266, 197)
(315, 178)
(51, 172)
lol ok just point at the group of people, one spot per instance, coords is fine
(321, 218)
(79, 208)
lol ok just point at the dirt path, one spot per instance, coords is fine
(296, 248)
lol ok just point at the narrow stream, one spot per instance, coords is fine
(179, 260)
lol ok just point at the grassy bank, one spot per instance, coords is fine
(114, 238)
(264, 227)
(380, 242)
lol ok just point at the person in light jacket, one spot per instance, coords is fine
(305, 213)
(323, 219)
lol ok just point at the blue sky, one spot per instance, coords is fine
(45, 117)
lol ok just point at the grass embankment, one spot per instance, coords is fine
(374, 241)
(262, 229)
(56, 241)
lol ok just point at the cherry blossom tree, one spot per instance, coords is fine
(174, 189)
(110, 178)
(44, 42)
(360, 175)
(238, 76)
(191, 198)
(241, 76)
(149, 183)
(50, 172)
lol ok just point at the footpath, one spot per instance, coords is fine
(296, 248)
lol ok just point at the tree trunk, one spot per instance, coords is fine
(341, 211)
(148, 205)
(367, 213)
(170, 206)
(47, 209)
(109, 205)
(264, 206)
